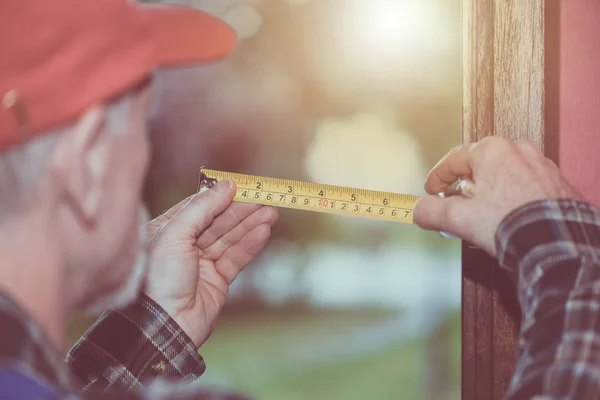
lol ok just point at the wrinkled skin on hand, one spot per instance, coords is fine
(197, 249)
(506, 175)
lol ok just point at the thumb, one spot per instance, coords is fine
(434, 213)
(201, 209)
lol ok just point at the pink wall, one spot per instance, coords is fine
(579, 95)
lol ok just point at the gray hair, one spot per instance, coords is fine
(22, 167)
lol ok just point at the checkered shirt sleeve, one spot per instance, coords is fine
(552, 250)
(126, 348)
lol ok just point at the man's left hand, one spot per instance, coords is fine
(197, 249)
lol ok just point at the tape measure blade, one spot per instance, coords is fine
(317, 197)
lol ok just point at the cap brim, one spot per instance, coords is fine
(186, 36)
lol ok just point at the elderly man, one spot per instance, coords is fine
(76, 90)
(75, 80)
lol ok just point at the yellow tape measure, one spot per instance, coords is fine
(319, 197)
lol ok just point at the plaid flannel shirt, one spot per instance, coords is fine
(136, 353)
(552, 251)
(551, 248)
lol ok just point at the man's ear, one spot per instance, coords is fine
(80, 161)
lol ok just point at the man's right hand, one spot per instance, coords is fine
(506, 175)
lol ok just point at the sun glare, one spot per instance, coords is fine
(379, 47)
(387, 27)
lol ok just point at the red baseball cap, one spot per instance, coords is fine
(60, 57)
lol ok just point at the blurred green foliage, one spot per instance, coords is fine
(255, 355)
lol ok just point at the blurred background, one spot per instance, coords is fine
(362, 93)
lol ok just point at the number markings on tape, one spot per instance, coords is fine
(319, 197)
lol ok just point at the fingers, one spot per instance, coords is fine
(463, 161)
(456, 164)
(237, 257)
(434, 213)
(198, 213)
(234, 215)
(234, 233)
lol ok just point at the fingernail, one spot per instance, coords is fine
(447, 235)
(224, 185)
(467, 188)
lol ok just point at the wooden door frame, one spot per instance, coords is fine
(505, 71)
